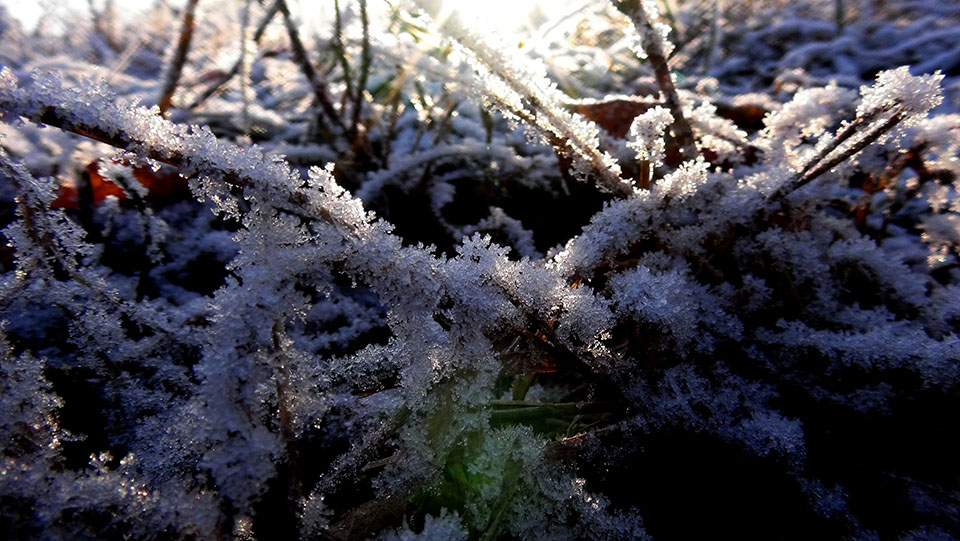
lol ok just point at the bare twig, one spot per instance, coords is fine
(179, 56)
(245, 42)
(712, 39)
(340, 48)
(364, 71)
(103, 20)
(285, 407)
(518, 411)
(219, 84)
(396, 108)
(839, 15)
(319, 86)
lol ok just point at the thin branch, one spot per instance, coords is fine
(651, 42)
(340, 48)
(815, 169)
(285, 407)
(395, 108)
(364, 71)
(103, 22)
(245, 41)
(839, 15)
(671, 20)
(507, 411)
(712, 39)
(60, 116)
(848, 131)
(179, 56)
(225, 78)
(319, 86)
(57, 257)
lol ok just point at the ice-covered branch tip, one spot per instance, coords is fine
(646, 138)
(646, 135)
(896, 100)
(640, 13)
(916, 95)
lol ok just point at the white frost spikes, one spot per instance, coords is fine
(519, 86)
(916, 95)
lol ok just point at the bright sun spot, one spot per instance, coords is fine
(505, 16)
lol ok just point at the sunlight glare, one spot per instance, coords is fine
(506, 17)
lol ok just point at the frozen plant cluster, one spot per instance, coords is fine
(413, 289)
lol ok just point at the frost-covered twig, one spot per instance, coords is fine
(520, 88)
(897, 97)
(652, 42)
(39, 229)
(91, 113)
(819, 167)
(189, 148)
(57, 244)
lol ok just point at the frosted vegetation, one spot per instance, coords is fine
(673, 270)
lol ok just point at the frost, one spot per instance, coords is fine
(364, 295)
(684, 181)
(445, 526)
(646, 135)
(520, 88)
(916, 95)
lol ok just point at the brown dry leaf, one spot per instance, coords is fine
(615, 115)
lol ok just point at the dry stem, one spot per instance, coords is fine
(179, 56)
